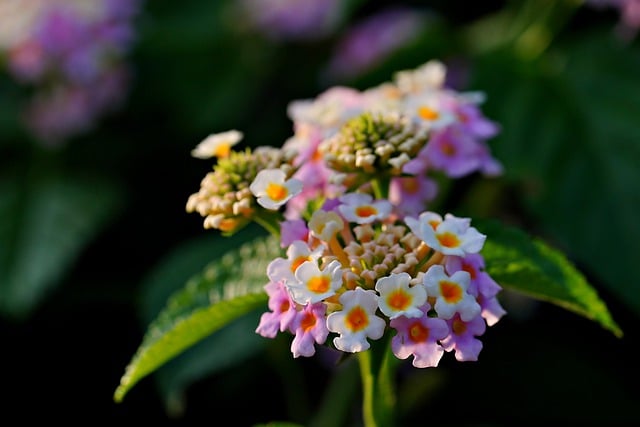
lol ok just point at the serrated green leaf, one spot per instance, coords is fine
(528, 265)
(46, 219)
(227, 289)
(171, 272)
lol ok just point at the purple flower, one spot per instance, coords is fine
(462, 338)
(371, 41)
(283, 311)
(310, 328)
(418, 337)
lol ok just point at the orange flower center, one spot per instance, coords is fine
(448, 240)
(318, 284)
(418, 332)
(366, 211)
(410, 185)
(459, 327)
(308, 321)
(284, 306)
(357, 319)
(450, 291)
(222, 150)
(276, 192)
(447, 148)
(398, 300)
(469, 269)
(428, 113)
(297, 262)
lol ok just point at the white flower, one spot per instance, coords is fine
(397, 298)
(425, 110)
(356, 321)
(451, 293)
(283, 269)
(312, 285)
(324, 225)
(272, 188)
(217, 144)
(362, 209)
(453, 236)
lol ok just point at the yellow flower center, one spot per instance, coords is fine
(428, 113)
(318, 284)
(222, 150)
(277, 192)
(448, 240)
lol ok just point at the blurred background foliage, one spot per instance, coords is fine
(94, 237)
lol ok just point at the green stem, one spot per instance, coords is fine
(380, 187)
(377, 371)
(368, 385)
(269, 222)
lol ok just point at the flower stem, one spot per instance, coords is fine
(269, 223)
(377, 371)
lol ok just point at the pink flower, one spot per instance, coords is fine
(462, 338)
(283, 311)
(310, 327)
(418, 337)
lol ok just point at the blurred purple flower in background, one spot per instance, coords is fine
(292, 19)
(72, 54)
(373, 39)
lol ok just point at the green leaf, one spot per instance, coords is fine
(46, 219)
(227, 289)
(570, 138)
(174, 270)
(528, 265)
(239, 341)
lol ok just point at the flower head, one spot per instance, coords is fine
(361, 208)
(419, 337)
(273, 189)
(313, 284)
(453, 236)
(450, 293)
(310, 328)
(217, 144)
(397, 298)
(356, 321)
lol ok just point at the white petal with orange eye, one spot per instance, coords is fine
(451, 293)
(362, 209)
(298, 252)
(313, 284)
(356, 321)
(397, 298)
(272, 188)
(425, 223)
(217, 144)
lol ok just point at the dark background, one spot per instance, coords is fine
(196, 74)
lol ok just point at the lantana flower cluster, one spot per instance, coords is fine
(348, 193)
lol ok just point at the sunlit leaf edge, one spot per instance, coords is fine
(523, 274)
(154, 351)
